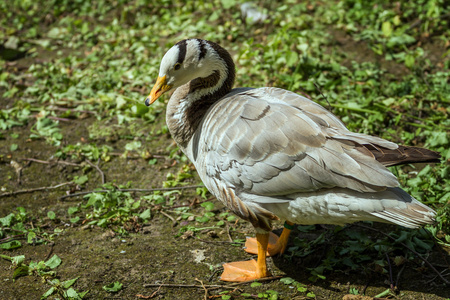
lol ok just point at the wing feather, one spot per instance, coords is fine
(269, 142)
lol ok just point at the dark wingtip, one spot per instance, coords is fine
(147, 102)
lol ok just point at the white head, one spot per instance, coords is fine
(185, 61)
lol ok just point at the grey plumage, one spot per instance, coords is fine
(270, 154)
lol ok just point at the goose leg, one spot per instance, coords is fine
(277, 245)
(250, 269)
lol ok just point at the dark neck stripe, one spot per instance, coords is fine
(182, 45)
(202, 50)
(193, 114)
(204, 83)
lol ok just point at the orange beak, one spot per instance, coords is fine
(159, 88)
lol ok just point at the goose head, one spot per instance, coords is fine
(186, 61)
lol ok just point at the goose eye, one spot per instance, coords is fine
(177, 66)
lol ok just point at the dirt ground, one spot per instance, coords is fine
(154, 255)
(154, 261)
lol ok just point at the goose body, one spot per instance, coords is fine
(271, 154)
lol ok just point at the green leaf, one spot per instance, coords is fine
(287, 280)
(409, 60)
(18, 260)
(134, 145)
(31, 236)
(202, 219)
(255, 284)
(386, 28)
(13, 147)
(20, 271)
(139, 109)
(48, 293)
(302, 289)
(53, 262)
(11, 245)
(51, 215)
(228, 3)
(113, 287)
(6, 221)
(146, 214)
(208, 205)
(68, 283)
(73, 294)
(80, 180)
(72, 210)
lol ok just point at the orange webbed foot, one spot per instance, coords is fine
(276, 245)
(251, 245)
(243, 271)
(252, 269)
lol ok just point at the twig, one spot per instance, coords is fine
(410, 249)
(48, 162)
(51, 250)
(59, 119)
(138, 156)
(326, 99)
(151, 296)
(218, 242)
(390, 272)
(14, 237)
(400, 274)
(98, 169)
(35, 190)
(203, 286)
(211, 286)
(133, 190)
(72, 110)
(228, 233)
(213, 274)
(174, 222)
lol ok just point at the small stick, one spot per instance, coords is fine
(400, 274)
(73, 110)
(218, 242)
(151, 296)
(98, 169)
(133, 190)
(212, 286)
(50, 251)
(390, 272)
(35, 190)
(228, 233)
(167, 215)
(137, 156)
(203, 286)
(326, 99)
(59, 119)
(47, 162)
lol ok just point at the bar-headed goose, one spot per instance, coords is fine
(270, 154)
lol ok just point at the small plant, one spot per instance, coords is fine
(45, 270)
(116, 210)
(15, 226)
(113, 287)
(301, 288)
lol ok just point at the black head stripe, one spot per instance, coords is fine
(202, 52)
(182, 48)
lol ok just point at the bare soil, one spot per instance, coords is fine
(154, 255)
